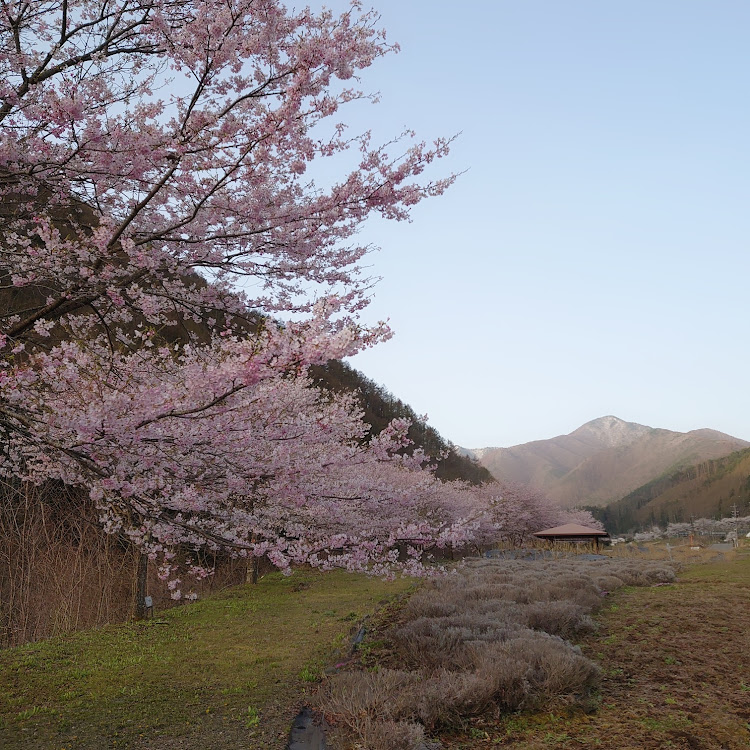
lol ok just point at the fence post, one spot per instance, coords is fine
(141, 576)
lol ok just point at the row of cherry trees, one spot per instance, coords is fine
(158, 222)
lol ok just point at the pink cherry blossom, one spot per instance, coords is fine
(171, 264)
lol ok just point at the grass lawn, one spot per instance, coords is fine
(676, 662)
(225, 672)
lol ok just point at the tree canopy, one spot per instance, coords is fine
(172, 262)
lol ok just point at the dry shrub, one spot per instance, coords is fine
(446, 643)
(442, 699)
(371, 705)
(511, 592)
(532, 669)
(660, 573)
(557, 670)
(430, 644)
(528, 670)
(608, 582)
(505, 590)
(426, 604)
(459, 592)
(635, 573)
(500, 611)
(448, 698)
(487, 640)
(390, 735)
(562, 618)
(585, 594)
(487, 622)
(481, 591)
(350, 697)
(630, 574)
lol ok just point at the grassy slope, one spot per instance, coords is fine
(225, 672)
(677, 672)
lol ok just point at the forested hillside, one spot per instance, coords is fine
(380, 407)
(707, 489)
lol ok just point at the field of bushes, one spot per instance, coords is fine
(494, 638)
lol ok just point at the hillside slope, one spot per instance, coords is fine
(380, 407)
(605, 459)
(705, 490)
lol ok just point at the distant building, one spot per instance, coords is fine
(573, 533)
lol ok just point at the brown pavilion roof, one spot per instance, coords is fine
(571, 529)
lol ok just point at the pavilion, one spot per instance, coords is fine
(573, 533)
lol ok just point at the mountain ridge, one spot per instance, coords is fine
(604, 459)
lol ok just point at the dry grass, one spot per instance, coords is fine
(59, 572)
(492, 638)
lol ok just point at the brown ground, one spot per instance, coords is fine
(677, 673)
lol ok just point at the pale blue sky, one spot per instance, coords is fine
(593, 259)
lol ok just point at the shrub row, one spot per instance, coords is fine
(493, 637)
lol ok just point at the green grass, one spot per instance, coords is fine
(228, 669)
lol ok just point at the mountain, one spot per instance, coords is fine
(705, 490)
(604, 460)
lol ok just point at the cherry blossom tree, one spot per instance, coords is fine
(517, 511)
(159, 219)
(144, 141)
(277, 468)
(582, 517)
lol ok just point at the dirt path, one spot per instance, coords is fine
(677, 673)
